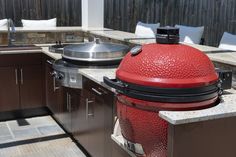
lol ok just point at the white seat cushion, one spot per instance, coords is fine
(3, 23)
(228, 42)
(190, 35)
(39, 23)
(146, 30)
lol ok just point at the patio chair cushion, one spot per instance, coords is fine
(146, 30)
(228, 41)
(39, 23)
(3, 23)
(189, 34)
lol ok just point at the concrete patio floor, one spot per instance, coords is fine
(36, 137)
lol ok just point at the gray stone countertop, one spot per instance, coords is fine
(20, 51)
(224, 57)
(225, 109)
(97, 75)
(115, 34)
(54, 29)
(45, 50)
(44, 29)
(214, 53)
(203, 48)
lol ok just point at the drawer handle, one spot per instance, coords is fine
(50, 62)
(54, 85)
(87, 108)
(22, 76)
(68, 102)
(16, 74)
(96, 91)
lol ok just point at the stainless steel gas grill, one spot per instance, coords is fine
(95, 54)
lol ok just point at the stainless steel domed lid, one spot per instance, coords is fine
(96, 51)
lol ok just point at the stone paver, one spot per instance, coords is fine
(12, 133)
(4, 131)
(49, 130)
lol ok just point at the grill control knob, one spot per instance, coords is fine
(59, 76)
(54, 73)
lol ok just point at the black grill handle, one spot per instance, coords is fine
(113, 83)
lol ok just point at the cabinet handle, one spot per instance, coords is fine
(96, 91)
(68, 102)
(50, 62)
(16, 74)
(54, 85)
(67, 99)
(87, 108)
(21, 76)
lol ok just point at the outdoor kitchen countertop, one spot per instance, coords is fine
(115, 34)
(225, 109)
(43, 29)
(19, 51)
(215, 54)
(45, 50)
(97, 75)
(224, 57)
(54, 29)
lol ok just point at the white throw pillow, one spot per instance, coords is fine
(147, 30)
(3, 23)
(228, 42)
(190, 35)
(39, 23)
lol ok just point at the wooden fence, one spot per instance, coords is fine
(216, 15)
(68, 12)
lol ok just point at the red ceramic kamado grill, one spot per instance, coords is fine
(162, 76)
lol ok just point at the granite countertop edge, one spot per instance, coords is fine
(163, 115)
(20, 51)
(48, 29)
(220, 60)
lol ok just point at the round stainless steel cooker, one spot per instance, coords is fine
(95, 52)
(93, 55)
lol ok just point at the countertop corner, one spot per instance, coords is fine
(227, 108)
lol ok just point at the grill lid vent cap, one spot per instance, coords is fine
(167, 35)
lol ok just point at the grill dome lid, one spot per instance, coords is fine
(96, 51)
(167, 64)
(167, 72)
